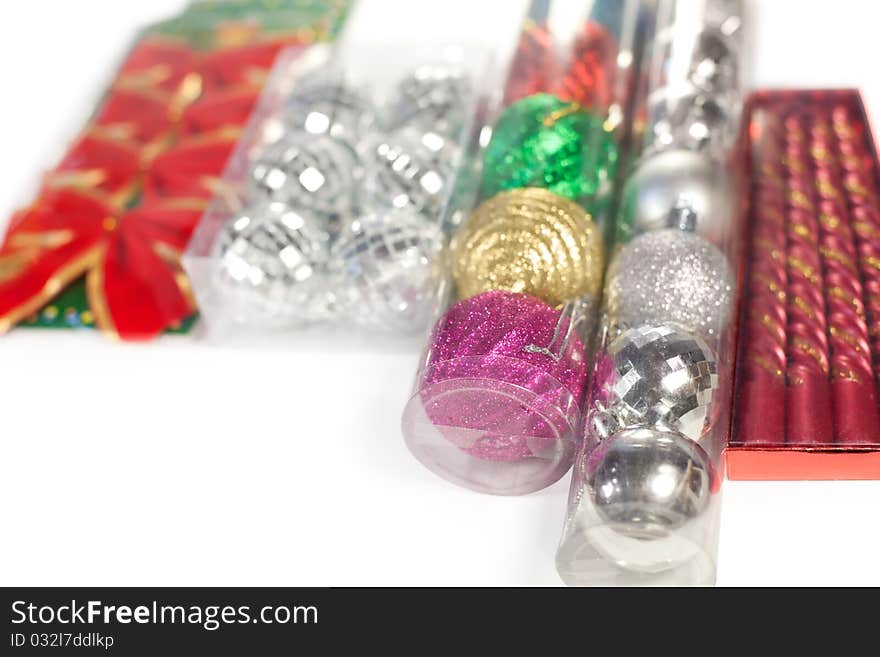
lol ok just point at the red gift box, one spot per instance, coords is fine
(805, 396)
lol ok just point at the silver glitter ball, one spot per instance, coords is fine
(313, 173)
(410, 169)
(321, 107)
(433, 98)
(647, 487)
(678, 189)
(655, 376)
(271, 265)
(386, 268)
(670, 276)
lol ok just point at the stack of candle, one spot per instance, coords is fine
(813, 277)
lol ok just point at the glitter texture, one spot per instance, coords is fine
(543, 141)
(489, 391)
(670, 276)
(531, 241)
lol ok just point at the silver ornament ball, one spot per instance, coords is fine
(679, 189)
(670, 276)
(432, 98)
(650, 490)
(656, 376)
(321, 107)
(271, 261)
(409, 169)
(313, 173)
(386, 268)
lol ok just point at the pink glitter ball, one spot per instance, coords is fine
(489, 390)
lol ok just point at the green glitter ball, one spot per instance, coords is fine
(543, 141)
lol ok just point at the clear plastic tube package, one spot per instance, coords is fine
(645, 497)
(497, 398)
(331, 209)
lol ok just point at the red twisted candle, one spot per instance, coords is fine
(761, 416)
(809, 396)
(854, 397)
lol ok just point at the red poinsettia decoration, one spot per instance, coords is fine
(98, 160)
(219, 109)
(160, 62)
(135, 285)
(192, 168)
(247, 65)
(121, 206)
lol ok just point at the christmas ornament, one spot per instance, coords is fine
(431, 99)
(534, 63)
(590, 77)
(531, 241)
(130, 260)
(505, 373)
(409, 168)
(670, 276)
(272, 261)
(101, 245)
(386, 270)
(543, 141)
(646, 486)
(677, 189)
(695, 122)
(315, 174)
(321, 107)
(191, 169)
(97, 161)
(219, 111)
(659, 377)
(714, 65)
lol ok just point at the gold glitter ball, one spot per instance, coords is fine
(532, 241)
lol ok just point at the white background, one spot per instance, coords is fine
(186, 463)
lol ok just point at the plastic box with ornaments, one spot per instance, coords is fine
(332, 209)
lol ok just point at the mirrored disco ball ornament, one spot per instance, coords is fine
(312, 173)
(670, 276)
(677, 189)
(271, 264)
(647, 486)
(386, 268)
(714, 66)
(409, 169)
(656, 376)
(433, 98)
(695, 122)
(320, 107)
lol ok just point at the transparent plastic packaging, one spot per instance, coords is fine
(644, 506)
(331, 210)
(496, 404)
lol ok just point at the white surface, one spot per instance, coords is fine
(183, 463)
